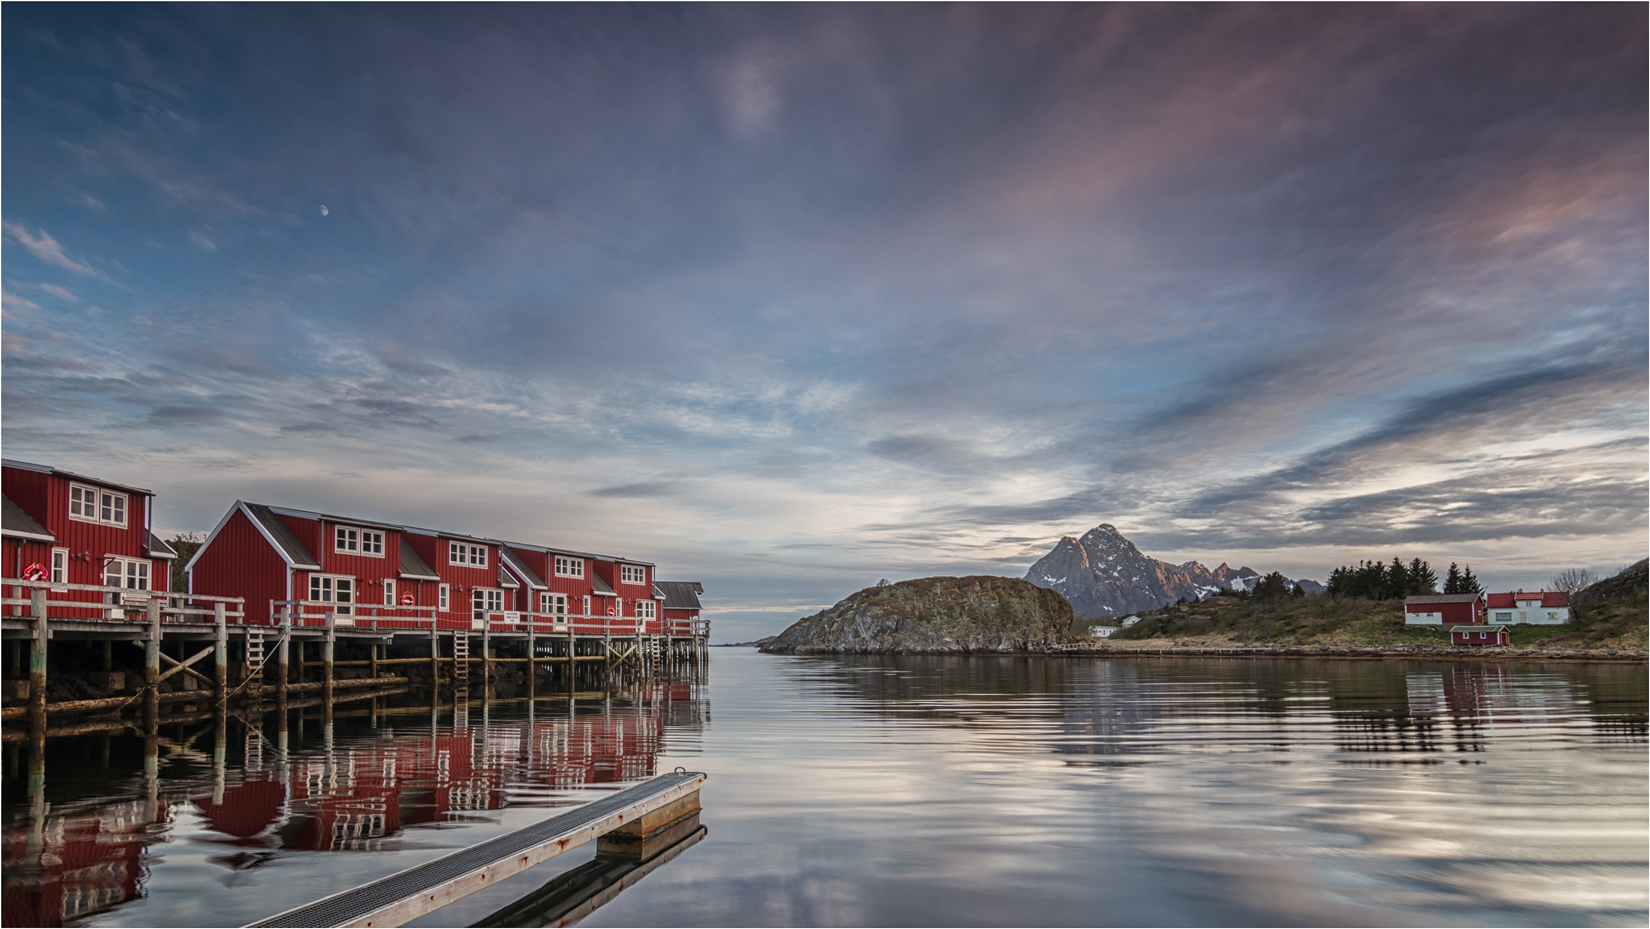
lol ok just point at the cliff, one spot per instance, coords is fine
(936, 615)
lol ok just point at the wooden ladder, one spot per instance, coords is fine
(254, 647)
(461, 657)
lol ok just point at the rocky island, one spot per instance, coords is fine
(936, 615)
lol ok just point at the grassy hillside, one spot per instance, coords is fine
(1614, 616)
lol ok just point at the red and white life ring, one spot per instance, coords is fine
(408, 600)
(34, 572)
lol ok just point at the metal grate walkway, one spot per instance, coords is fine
(392, 900)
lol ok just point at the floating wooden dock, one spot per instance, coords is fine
(646, 818)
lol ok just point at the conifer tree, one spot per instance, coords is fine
(1422, 580)
(1469, 582)
(1452, 580)
(1397, 579)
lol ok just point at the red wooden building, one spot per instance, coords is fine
(1444, 609)
(585, 588)
(1491, 635)
(368, 572)
(681, 605)
(72, 529)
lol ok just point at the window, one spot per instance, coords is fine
(129, 573)
(92, 505)
(389, 593)
(553, 604)
(1552, 614)
(486, 601)
(587, 606)
(60, 566)
(644, 609)
(354, 541)
(443, 596)
(461, 554)
(632, 574)
(338, 591)
(569, 567)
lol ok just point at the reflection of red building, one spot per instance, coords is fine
(84, 864)
(248, 811)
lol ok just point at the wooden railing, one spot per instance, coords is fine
(357, 615)
(118, 604)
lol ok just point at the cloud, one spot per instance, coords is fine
(42, 246)
(638, 489)
(203, 243)
(60, 292)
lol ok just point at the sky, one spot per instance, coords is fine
(789, 299)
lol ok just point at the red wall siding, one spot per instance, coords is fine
(46, 498)
(240, 562)
(463, 578)
(1461, 612)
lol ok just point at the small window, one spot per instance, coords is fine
(339, 592)
(644, 609)
(553, 604)
(569, 567)
(60, 566)
(389, 593)
(484, 601)
(129, 573)
(353, 541)
(587, 606)
(443, 595)
(460, 553)
(632, 574)
(92, 505)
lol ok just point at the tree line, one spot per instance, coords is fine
(1375, 580)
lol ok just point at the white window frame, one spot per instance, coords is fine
(353, 540)
(491, 600)
(128, 572)
(444, 597)
(59, 573)
(389, 592)
(466, 555)
(328, 586)
(552, 604)
(627, 570)
(645, 609)
(92, 511)
(568, 566)
(587, 604)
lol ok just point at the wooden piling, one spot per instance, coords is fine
(435, 657)
(327, 651)
(220, 653)
(282, 667)
(151, 670)
(37, 665)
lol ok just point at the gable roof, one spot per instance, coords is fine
(280, 536)
(520, 569)
(20, 525)
(681, 595)
(601, 586)
(1548, 598)
(413, 567)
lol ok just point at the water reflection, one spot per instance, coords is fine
(279, 786)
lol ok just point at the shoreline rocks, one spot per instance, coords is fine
(936, 615)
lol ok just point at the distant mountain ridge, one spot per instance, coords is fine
(1102, 574)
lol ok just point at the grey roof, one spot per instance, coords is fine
(329, 517)
(48, 469)
(601, 586)
(681, 595)
(505, 580)
(1423, 599)
(521, 569)
(21, 525)
(293, 549)
(414, 567)
(159, 549)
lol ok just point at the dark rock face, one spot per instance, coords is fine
(1103, 574)
(936, 615)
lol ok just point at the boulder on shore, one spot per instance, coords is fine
(936, 615)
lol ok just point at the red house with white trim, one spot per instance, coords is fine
(1444, 610)
(681, 605)
(1542, 608)
(73, 529)
(1491, 635)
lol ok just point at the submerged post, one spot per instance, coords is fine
(435, 656)
(282, 668)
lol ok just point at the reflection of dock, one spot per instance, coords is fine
(657, 812)
(568, 898)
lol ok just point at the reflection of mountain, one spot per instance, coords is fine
(353, 797)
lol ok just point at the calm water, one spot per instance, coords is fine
(909, 792)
